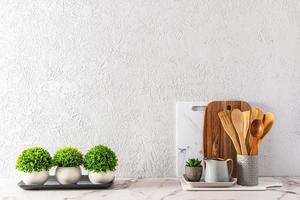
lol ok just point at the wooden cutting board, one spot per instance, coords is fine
(216, 143)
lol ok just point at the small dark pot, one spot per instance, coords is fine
(193, 173)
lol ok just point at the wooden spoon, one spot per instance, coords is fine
(256, 114)
(257, 131)
(268, 122)
(229, 129)
(238, 122)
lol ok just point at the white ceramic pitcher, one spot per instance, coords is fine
(217, 170)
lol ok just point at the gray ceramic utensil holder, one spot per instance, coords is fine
(247, 170)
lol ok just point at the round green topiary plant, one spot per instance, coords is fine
(100, 159)
(67, 157)
(34, 159)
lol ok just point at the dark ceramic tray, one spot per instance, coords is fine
(52, 184)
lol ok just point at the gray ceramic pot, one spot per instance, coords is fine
(193, 173)
(247, 170)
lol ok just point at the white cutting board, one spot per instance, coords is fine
(189, 129)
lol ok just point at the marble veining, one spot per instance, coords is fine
(189, 126)
(155, 189)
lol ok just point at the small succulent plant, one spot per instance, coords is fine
(67, 157)
(193, 162)
(34, 159)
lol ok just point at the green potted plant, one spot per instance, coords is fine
(68, 161)
(193, 169)
(34, 164)
(100, 162)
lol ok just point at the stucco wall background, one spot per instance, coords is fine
(87, 72)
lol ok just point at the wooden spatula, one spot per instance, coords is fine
(238, 122)
(256, 114)
(229, 129)
(268, 122)
(257, 131)
(246, 115)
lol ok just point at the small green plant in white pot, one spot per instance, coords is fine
(68, 161)
(34, 164)
(100, 162)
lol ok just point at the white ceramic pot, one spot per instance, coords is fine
(67, 175)
(35, 178)
(101, 177)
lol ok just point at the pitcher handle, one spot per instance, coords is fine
(231, 165)
(204, 164)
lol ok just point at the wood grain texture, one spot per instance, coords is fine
(257, 131)
(239, 124)
(268, 120)
(256, 114)
(225, 119)
(216, 143)
(246, 116)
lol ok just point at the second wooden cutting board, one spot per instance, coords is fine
(216, 142)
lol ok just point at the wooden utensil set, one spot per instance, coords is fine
(246, 129)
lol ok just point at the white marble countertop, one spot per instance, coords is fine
(153, 188)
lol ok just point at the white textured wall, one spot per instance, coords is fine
(87, 72)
